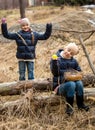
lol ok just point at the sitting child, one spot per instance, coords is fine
(60, 63)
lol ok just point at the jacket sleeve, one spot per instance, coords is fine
(54, 67)
(5, 32)
(47, 34)
(54, 71)
(78, 68)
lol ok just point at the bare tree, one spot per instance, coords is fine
(22, 8)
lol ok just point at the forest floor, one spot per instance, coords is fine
(64, 20)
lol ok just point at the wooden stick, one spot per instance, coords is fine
(87, 55)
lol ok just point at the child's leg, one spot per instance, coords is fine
(67, 90)
(30, 68)
(22, 69)
(80, 96)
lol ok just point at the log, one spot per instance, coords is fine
(89, 92)
(89, 79)
(14, 88)
(26, 104)
(32, 102)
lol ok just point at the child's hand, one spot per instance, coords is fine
(49, 23)
(3, 20)
(54, 57)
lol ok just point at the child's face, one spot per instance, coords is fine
(25, 27)
(70, 52)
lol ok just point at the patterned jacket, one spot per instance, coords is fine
(26, 51)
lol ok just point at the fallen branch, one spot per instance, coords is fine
(75, 31)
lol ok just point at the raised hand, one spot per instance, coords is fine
(3, 20)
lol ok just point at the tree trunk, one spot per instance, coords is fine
(22, 8)
(14, 88)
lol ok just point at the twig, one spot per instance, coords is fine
(89, 36)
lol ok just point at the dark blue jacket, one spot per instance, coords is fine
(58, 67)
(26, 51)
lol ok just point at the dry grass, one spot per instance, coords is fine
(24, 116)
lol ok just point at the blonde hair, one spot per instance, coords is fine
(74, 47)
(32, 37)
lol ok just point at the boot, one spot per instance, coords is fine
(69, 109)
(80, 103)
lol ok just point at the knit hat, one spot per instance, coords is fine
(24, 21)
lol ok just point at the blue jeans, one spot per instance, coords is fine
(70, 88)
(22, 70)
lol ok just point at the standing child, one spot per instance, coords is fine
(26, 41)
(60, 63)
